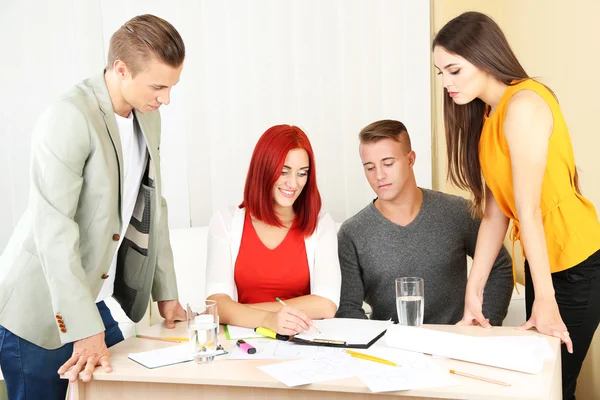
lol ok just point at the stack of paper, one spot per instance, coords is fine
(415, 371)
(524, 354)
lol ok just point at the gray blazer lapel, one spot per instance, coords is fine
(101, 92)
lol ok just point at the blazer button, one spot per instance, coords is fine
(104, 276)
(116, 237)
(58, 316)
(63, 330)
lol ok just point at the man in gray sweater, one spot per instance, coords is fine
(409, 231)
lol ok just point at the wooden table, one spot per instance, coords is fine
(228, 379)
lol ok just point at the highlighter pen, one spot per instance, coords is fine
(246, 347)
(271, 334)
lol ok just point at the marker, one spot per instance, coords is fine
(246, 347)
(271, 334)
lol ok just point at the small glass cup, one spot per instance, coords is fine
(410, 301)
(203, 330)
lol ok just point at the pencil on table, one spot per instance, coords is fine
(164, 339)
(283, 303)
(481, 378)
(371, 358)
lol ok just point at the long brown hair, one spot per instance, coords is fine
(478, 39)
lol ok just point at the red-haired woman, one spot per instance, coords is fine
(277, 243)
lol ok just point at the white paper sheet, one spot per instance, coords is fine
(349, 330)
(309, 370)
(416, 371)
(514, 354)
(167, 356)
(394, 379)
(271, 349)
(238, 332)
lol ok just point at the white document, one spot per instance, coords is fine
(414, 371)
(401, 378)
(309, 370)
(513, 354)
(271, 349)
(237, 332)
(349, 330)
(167, 356)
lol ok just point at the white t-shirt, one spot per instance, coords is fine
(133, 146)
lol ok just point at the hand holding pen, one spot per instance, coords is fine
(288, 321)
(310, 322)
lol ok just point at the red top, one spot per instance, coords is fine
(262, 274)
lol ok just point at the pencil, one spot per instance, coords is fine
(164, 339)
(371, 358)
(479, 378)
(283, 303)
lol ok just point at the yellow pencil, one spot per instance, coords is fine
(481, 378)
(371, 358)
(164, 339)
(283, 303)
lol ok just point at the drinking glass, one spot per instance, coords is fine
(410, 300)
(203, 330)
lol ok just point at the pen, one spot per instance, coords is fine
(479, 378)
(164, 339)
(248, 348)
(283, 303)
(271, 334)
(371, 358)
(280, 301)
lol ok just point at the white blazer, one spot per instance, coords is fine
(224, 240)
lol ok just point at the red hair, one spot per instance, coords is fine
(265, 168)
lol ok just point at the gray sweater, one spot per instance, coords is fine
(374, 251)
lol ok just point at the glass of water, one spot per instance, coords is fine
(410, 302)
(203, 330)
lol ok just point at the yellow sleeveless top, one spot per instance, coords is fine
(570, 221)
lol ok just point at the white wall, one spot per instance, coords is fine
(42, 54)
(329, 67)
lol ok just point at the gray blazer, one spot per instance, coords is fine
(57, 259)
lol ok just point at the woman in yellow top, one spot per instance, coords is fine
(508, 144)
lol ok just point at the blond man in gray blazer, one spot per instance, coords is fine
(96, 224)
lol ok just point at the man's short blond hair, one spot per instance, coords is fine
(145, 37)
(386, 129)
